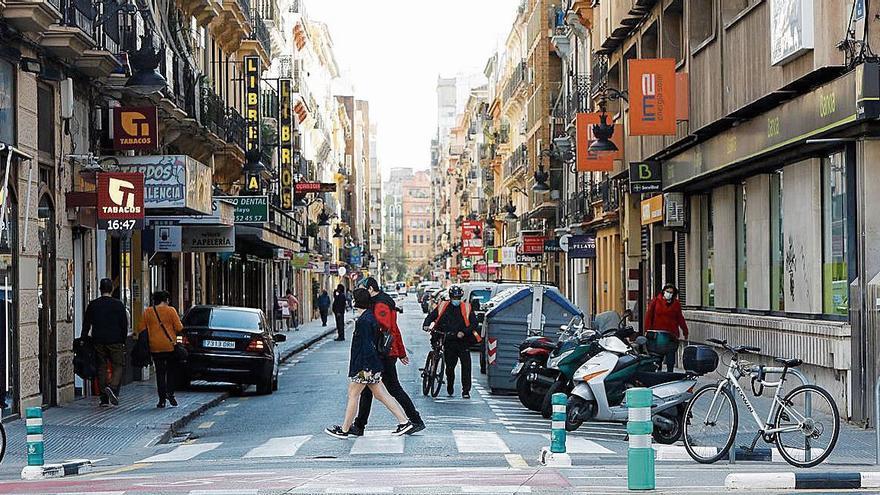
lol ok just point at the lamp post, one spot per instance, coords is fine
(603, 131)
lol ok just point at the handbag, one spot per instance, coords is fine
(140, 353)
(180, 352)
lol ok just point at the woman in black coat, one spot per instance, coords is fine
(365, 370)
(339, 304)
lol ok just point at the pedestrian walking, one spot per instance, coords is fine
(454, 319)
(293, 307)
(385, 311)
(664, 316)
(163, 325)
(340, 303)
(106, 321)
(365, 371)
(324, 304)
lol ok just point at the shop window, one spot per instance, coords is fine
(777, 244)
(741, 270)
(701, 22)
(835, 279)
(672, 30)
(7, 102)
(708, 251)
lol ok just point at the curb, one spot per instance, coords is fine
(56, 470)
(802, 481)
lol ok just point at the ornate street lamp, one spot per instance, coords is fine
(603, 131)
(145, 61)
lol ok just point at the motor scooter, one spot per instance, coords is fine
(533, 354)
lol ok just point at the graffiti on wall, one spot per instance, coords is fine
(796, 268)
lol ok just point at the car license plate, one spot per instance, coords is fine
(219, 344)
(516, 369)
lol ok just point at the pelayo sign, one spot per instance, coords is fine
(582, 246)
(208, 239)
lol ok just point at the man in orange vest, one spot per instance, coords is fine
(454, 319)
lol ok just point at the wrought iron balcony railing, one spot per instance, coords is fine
(517, 79)
(81, 14)
(235, 128)
(517, 160)
(578, 95)
(261, 32)
(213, 114)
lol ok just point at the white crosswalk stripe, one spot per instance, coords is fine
(482, 442)
(182, 452)
(375, 442)
(279, 447)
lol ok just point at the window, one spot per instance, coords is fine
(650, 43)
(742, 299)
(46, 120)
(671, 28)
(777, 244)
(701, 22)
(835, 278)
(730, 9)
(7, 102)
(708, 251)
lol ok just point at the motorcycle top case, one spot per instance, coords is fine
(700, 359)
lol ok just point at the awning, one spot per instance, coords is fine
(265, 238)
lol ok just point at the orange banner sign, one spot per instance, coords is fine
(652, 97)
(588, 161)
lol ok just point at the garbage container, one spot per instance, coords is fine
(532, 310)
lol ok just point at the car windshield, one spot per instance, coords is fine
(229, 318)
(481, 295)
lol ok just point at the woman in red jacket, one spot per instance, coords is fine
(664, 315)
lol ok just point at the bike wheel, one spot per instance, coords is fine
(710, 422)
(439, 369)
(811, 437)
(427, 374)
(2, 442)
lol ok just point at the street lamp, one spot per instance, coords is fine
(541, 177)
(603, 131)
(146, 79)
(323, 219)
(337, 232)
(511, 211)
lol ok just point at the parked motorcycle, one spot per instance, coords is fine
(533, 354)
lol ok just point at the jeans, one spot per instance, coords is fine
(115, 355)
(669, 360)
(392, 383)
(453, 353)
(166, 373)
(340, 325)
(323, 317)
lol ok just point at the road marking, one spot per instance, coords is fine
(206, 425)
(577, 445)
(94, 493)
(279, 447)
(183, 452)
(360, 489)
(485, 442)
(220, 413)
(374, 442)
(496, 489)
(233, 405)
(124, 469)
(516, 461)
(224, 492)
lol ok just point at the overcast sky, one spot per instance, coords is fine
(393, 51)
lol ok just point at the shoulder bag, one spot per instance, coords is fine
(180, 352)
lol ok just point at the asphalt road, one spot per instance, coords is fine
(275, 444)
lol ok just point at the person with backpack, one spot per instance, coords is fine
(454, 319)
(385, 311)
(163, 325)
(107, 323)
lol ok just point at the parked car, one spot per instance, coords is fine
(231, 344)
(423, 286)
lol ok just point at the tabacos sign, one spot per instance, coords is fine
(120, 200)
(135, 128)
(652, 97)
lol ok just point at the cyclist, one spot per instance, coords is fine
(454, 320)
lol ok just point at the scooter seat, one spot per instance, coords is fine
(649, 379)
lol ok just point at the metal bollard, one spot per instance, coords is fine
(34, 421)
(557, 432)
(640, 455)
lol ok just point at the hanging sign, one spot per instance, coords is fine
(493, 257)
(285, 142)
(582, 246)
(645, 177)
(508, 255)
(552, 245)
(135, 128)
(208, 240)
(528, 259)
(591, 161)
(168, 239)
(120, 200)
(472, 238)
(250, 209)
(252, 103)
(652, 97)
(532, 244)
(314, 187)
(792, 29)
(652, 210)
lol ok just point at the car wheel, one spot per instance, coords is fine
(265, 385)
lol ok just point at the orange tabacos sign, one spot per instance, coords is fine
(652, 97)
(588, 161)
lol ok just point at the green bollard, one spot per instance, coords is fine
(640, 455)
(34, 421)
(557, 432)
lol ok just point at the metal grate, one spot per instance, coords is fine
(681, 265)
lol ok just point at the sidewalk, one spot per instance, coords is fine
(83, 430)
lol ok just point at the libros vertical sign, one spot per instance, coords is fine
(252, 118)
(285, 141)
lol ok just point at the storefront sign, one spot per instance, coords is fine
(675, 215)
(250, 209)
(526, 259)
(493, 256)
(168, 239)
(172, 181)
(315, 187)
(586, 160)
(252, 103)
(645, 177)
(355, 256)
(508, 255)
(208, 240)
(582, 247)
(283, 254)
(652, 97)
(467, 263)
(135, 128)
(285, 143)
(552, 245)
(472, 238)
(300, 260)
(120, 200)
(532, 244)
(791, 29)
(652, 210)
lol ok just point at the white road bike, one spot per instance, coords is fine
(804, 424)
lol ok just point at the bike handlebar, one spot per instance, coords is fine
(743, 349)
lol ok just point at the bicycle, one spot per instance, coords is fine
(435, 366)
(712, 416)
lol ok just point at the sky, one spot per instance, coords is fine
(392, 51)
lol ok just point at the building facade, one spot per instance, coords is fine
(416, 205)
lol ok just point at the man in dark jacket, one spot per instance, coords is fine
(455, 319)
(324, 304)
(385, 311)
(107, 322)
(664, 315)
(340, 303)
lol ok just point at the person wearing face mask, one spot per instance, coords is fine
(455, 320)
(664, 316)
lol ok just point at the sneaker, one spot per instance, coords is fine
(417, 427)
(466, 395)
(104, 403)
(356, 431)
(172, 401)
(112, 396)
(336, 431)
(403, 429)
(449, 394)
(161, 404)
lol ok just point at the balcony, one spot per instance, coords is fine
(75, 34)
(235, 128)
(32, 16)
(579, 209)
(101, 61)
(516, 162)
(203, 10)
(516, 81)
(233, 25)
(578, 100)
(181, 90)
(259, 42)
